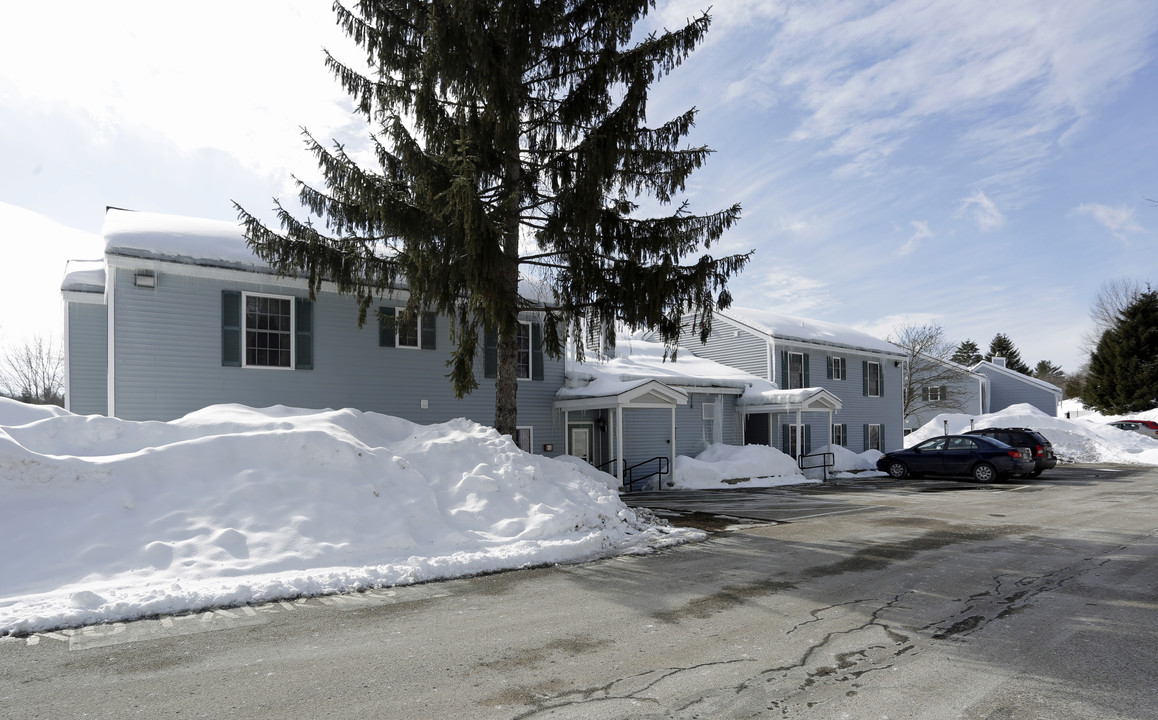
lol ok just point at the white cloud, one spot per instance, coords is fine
(785, 289)
(1007, 78)
(983, 211)
(921, 232)
(888, 325)
(1118, 220)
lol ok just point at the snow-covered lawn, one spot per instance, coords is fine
(104, 519)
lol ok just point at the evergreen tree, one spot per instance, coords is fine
(511, 141)
(1053, 374)
(1123, 373)
(1003, 346)
(967, 354)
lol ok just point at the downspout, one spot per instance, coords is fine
(111, 388)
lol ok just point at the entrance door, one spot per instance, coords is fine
(580, 441)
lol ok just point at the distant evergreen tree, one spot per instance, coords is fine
(967, 354)
(1003, 346)
(1123, 373)
(1053, 374)
(510, 136)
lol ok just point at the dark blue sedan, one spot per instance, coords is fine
(982, 458)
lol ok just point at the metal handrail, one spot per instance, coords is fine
(827, 461)
(663, 467)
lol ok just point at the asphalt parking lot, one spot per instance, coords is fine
(716, 510)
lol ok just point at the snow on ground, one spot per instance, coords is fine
(722, 466)
(104, 519)
(1086, 439)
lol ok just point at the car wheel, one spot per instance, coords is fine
(897, 469)
(984, 473)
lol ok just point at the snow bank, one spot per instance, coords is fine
(752, 465)
(116, 520)
(1080, 441)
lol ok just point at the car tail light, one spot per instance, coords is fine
(1014, 454)
(1038, 451)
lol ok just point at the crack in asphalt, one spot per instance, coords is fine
(836, 665)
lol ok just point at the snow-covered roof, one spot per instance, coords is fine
(986, 365)
(84, 276)
(639, 361)
(214, 243)
(787, 327)
(196, 241)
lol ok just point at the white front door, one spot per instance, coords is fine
(581, 441)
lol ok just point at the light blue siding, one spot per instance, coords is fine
(87, 358)
(1007, 389)
(728, 345)
(966, 395)
(168, 362)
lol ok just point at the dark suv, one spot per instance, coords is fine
(1039, 447)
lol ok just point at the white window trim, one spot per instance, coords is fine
(838, 367)
(837, 434)
(868, 382)
(935, 394)
(880, 440)
(790, 378)
(245, 295)
(530, 353)
(398, 331)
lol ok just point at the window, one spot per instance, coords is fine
(872, 379)
(836, 368)
(795, 371)
(523, 343)
(268, 331)
(408, 332)
(934, 394)
(839, 435)
(528, 352)
(416, 332)
(960, 443)
(872, 437)
(525, 439)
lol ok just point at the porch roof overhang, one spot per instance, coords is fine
(814, 399)
(634, 394)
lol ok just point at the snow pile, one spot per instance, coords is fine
(847, 461)
(751, 465)
(109, 520)
(1080, 441)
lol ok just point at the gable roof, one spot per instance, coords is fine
(986, 366)
(817, 332)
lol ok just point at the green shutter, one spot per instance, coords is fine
(784, 370)
(428, 331)
(881, 382)
(881, 430)
(490, 353)
(303, 334)
(828, 366)
(925, 394)
(536, 351)
(864, 382)
(807, 439)
(844, 435)
(807, 363)
(866, 445)
(386, 327)
(784, 439)
(231, 328)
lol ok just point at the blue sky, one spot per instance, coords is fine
(982, 165)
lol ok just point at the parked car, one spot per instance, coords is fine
(1040, 448)
(1149, 428)
(984, 459)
